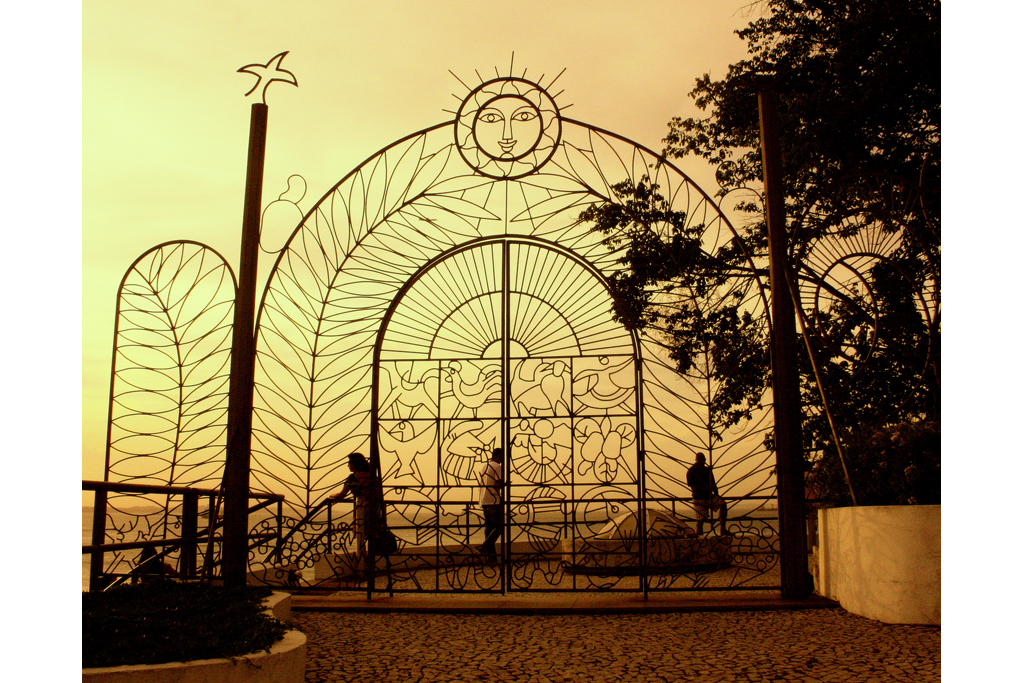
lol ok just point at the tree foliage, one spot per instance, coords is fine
(693, 302)
(858, 85)
(860, 105)
(897, 465)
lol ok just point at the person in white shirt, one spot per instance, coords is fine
(491, 482)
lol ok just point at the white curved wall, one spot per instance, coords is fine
(883, 562)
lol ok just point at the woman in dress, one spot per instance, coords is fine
(368, 521)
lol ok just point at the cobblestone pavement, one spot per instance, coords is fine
(791, 646)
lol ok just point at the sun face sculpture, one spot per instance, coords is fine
(507, 128)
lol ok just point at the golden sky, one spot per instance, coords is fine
(165, 119)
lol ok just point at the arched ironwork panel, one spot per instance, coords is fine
(840, 274)
(367, 244)
(526, 315)
(169, 389)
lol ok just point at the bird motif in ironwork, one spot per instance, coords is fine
(402, 442)
(473, 386)
(545, 387)
(268, 73)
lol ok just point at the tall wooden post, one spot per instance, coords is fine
(789, 466)
(99, 537)
(243, 360)
(189, 534)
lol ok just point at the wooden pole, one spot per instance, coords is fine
(243, 360)
(789, 466)
(99, 537)
(189, 535)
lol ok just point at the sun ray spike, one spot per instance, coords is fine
(556, 78)
(459, 80)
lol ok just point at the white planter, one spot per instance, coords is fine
(284, 663)
(882, 562)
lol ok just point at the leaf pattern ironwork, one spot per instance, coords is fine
(169, 386)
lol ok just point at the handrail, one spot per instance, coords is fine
(328, 531)
(126, 487)
(304, 520)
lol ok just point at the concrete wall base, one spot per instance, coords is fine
(882, 562)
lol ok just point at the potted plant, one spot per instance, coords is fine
(879, 524)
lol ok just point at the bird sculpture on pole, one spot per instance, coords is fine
(268, 73)
(243, 346)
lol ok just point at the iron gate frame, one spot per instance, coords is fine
(571, 142)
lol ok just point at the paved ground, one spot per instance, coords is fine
(504, 641)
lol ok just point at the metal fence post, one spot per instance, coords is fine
(785, 379)
(189, 534)
(99, 533)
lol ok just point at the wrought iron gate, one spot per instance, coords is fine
(441, 300)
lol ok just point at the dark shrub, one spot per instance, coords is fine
(891, 465)
(165, 621)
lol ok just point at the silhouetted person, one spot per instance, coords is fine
(371, 532)
(149, 567)
(491, 482)
(702, 485)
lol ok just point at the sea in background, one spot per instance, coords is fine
(756, 514)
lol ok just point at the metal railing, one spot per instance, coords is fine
(547, 545)
(190, 540)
